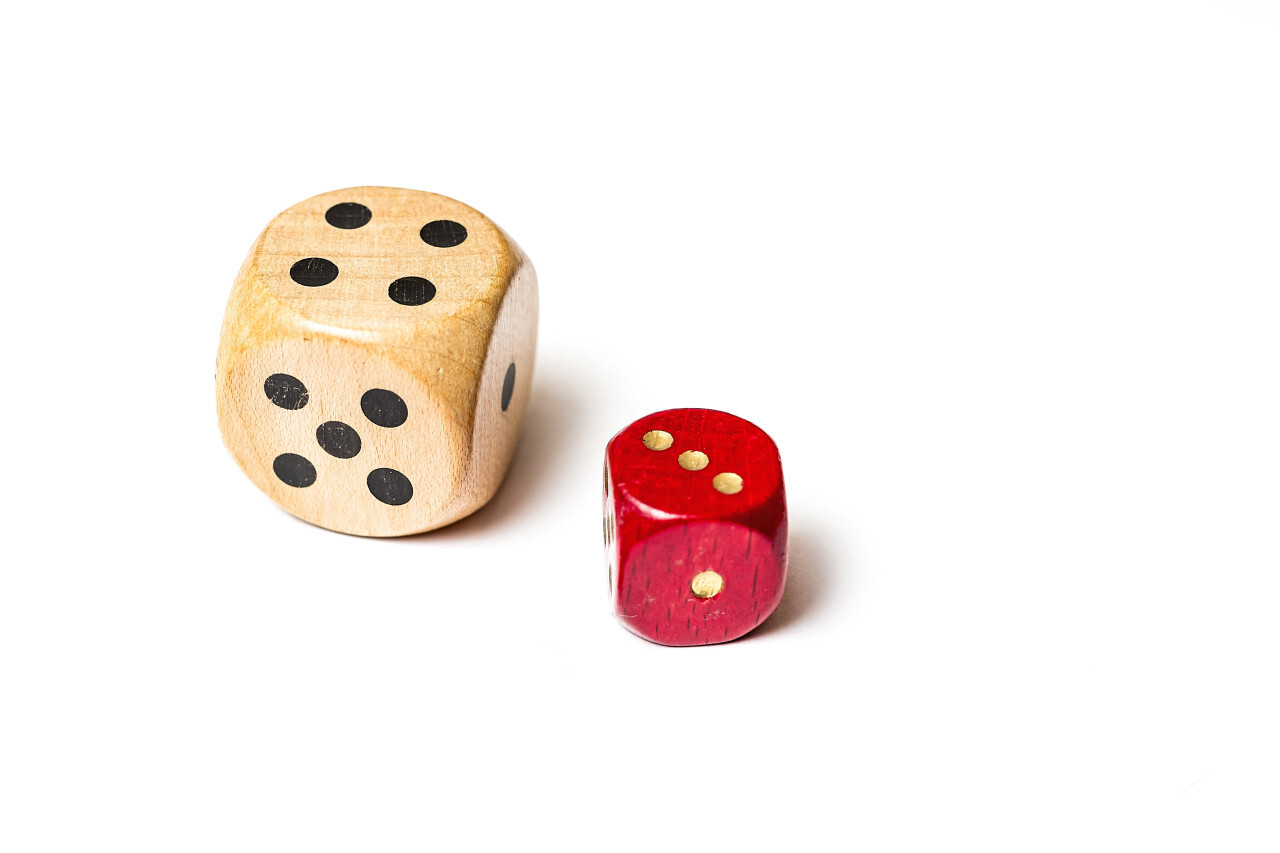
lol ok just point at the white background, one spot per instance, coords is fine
(999, 278)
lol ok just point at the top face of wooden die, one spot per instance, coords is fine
(695, 463)
(370, 257)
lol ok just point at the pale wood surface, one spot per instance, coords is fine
(447, 359)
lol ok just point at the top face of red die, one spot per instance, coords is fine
(695, 463)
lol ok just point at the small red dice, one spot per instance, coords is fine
(695, 526)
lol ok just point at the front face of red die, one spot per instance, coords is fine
(695, 526)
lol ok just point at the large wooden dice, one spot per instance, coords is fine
(695, 526)
(376, 358)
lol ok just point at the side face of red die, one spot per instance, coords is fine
(695, 526)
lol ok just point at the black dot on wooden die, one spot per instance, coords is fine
(294, 470)
(313, 272)
(443, 233)
(412, 290)
(348, 215)
(338, 439)
(390, 486)
(285, 391)
(384, 408)
(508, 385)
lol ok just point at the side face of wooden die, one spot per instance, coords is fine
(376, 359)
(695, 526)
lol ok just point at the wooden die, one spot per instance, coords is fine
(695, 526)
(376, 358)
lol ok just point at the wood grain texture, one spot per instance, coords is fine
(446, 358)
(668, 522)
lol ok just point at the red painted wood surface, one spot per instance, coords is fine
(665, 524)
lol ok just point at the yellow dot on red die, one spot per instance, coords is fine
(693, 460)
(706, 584)
(727, 483)
(657, 439)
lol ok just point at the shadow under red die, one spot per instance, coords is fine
(695, 526)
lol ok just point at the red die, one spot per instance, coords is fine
(695, 526)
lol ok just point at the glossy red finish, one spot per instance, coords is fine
(665, 524)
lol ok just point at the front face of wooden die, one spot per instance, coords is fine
(376, 358)
(339, 439)
(695, 526)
